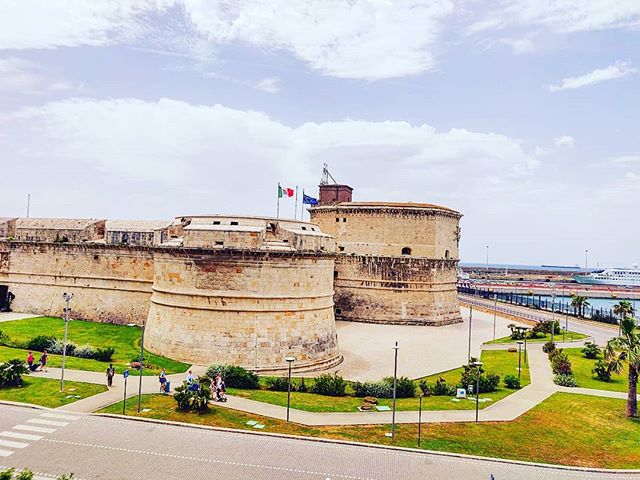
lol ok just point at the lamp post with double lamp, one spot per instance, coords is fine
(553, 312)
(67, 312)
(144, 323)
(519, 358)
(290, 361)
(477, 364)
(470, 318)
(420, 419)
(495, 312)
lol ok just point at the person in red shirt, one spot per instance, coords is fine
(30, 360)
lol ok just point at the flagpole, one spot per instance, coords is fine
(302, 207)
(295, 208)
(278, 208)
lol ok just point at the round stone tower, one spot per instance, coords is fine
(396, 262)
(246, 291)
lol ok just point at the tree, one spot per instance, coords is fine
(623, 309)
(579, 303)
(626, 348)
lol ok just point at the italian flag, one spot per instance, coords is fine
(285, 192)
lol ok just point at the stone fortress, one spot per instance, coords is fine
(239, 289)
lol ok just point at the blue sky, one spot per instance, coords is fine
(523, 114)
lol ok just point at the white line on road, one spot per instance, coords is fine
(10, 444)
(208, 460)
(51, 423)
(30, 428)
(21, 436)
(5, 453)
(61, 417)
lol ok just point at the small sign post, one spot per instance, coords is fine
(124, 399)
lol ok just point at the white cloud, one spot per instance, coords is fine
(633, 177)
(268, 85)
(625, 159)
(564, 141)
(368, 39)
(22, 76)
(617, 70)
(561, 15)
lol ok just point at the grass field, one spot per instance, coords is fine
(126, 341)
(500, 362)
(582, 371)
(569, 337)
(46, 392)
(565, 429)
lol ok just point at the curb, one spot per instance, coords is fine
(505, 461)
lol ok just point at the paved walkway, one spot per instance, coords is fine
(11, 316)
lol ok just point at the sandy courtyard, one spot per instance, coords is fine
(368, 348)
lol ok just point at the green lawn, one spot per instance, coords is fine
(565, 429)
(500, 362)
(46, 392)
(569, 337)
(582, 371)
(126, 341)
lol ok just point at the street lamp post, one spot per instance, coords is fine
(477, 364)
(519, 358)
(290, 361)
(67, 312)
(586, 259)
(553, 313)
(144, 322)
(395, 384)
(495, 311)
(487, 259)
(525, 346)
(420, 419)
(470, 318)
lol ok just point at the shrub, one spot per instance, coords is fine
(440, 388)
(405, 388)
(372, 389)
(517, 332)
(602, 371)
(7, 474)
(25, 474)
(4, 339)
(546, 326)
(488, 381)
(302, 388)
(591, 350)
(565, 380)
(57, 345)
(40, 343)
(194, 397)
(327, 384)
(85, 351)
(279, 384)
(560, 363)
(11, 373)
(234, 376)
(104, 354)
(511, 381)
(548, 348)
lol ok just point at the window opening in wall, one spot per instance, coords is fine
(406, 251)
(216, 222)
(313, 229)
(337, 219)
(304, 228)
(271, 227)
(218, 242)
(341, 249)
(344, 220)
(446, 254)
(335, 274)
(338, 311)
(234, 223)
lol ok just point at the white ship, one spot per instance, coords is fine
(611, 276)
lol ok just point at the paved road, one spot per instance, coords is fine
(107, 448)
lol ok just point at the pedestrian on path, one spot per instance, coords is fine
(30, 361)
(43, 361)
(190, 378)
(110, 374)
(163, 380)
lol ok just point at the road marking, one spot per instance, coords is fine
(207, 460)
(5, 453)
(10, 444)
(30, 428)
(51, 423)
(61, 417)
(21, 436)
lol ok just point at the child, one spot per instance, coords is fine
(43, 361)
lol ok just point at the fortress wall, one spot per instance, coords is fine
(110, 284)
(399, 290)
(246, 308)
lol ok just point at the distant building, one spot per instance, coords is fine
(59, 230)
(137, 232)
(7, 227)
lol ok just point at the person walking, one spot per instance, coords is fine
(110, 374)
(190, 378)
(163, 380)
(43, 361)
(30, 360)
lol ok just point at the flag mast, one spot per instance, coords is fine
(295, 208)
(278, 207)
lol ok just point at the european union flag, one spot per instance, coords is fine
(309, 200)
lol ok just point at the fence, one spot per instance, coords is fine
(538, 303)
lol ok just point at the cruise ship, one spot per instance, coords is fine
(611, 276)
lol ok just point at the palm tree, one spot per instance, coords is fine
(626, 348)
(623, 309)
(579, 303)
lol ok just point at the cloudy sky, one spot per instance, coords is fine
(522, 114)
